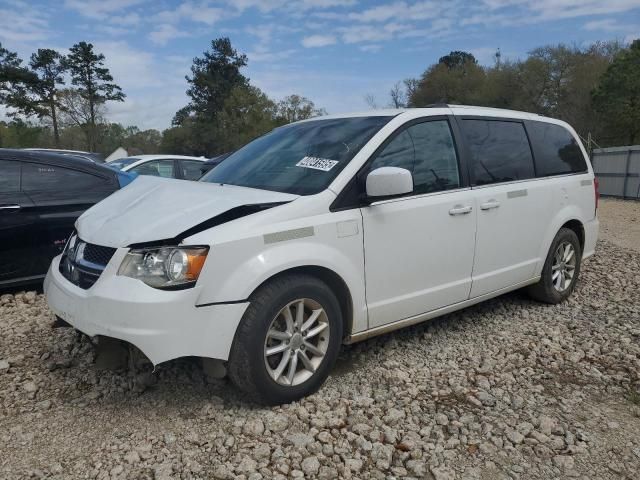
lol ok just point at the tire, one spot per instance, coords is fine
(254, 372)
(550, 288)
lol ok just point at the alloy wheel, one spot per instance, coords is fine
(563, 267)
(296, 342)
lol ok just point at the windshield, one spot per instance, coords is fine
(302, 158)
(123, 162)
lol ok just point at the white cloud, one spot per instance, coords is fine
(199, 12)
(318, 41)
(22, 23)
(165, 32)
(401, 11)
(100, 9)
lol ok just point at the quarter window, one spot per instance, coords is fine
(156, 168)
(39, 177)
(191, 169)
(425, 149)
(557, 151)
(9, 176)
(499, 150)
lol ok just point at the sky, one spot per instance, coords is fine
(332, 51)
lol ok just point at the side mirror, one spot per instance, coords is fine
(389, 181)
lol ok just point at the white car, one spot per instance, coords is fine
(167, 166)
(330, 231)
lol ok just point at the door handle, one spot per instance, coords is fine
(460, 210)
(489, 205)
(10, 207)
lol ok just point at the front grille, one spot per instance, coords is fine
(82, 263)
(98, 254)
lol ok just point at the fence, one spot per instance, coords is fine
(618, 171)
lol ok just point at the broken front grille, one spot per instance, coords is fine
(82, 263)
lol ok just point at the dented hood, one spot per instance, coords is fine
(151, 209)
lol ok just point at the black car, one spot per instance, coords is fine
(41, 196)
(90, 156)
(213, 162)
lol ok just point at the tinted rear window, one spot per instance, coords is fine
(38, 177)
(499, 150)
(557, 151)
(9, 176)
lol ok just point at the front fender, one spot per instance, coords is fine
(239, 267)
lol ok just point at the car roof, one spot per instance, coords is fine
(159, 157)
(437, 109)
(54, 158)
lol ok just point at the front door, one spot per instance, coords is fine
(419, 248)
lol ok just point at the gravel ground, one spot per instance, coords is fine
(616, 213)
(506, 389)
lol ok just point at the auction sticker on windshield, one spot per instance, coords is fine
(317, 163)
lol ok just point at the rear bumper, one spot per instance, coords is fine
(591, 229)
(163, 324)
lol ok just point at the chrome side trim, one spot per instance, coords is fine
(517, 193)
(390, 327)
(288, 235)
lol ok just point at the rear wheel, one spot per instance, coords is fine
(287, 341)
(561, 269)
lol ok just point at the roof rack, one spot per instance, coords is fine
(437, 105)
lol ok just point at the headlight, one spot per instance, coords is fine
(165, 267)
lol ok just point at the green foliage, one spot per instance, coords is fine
(296, 107)
(36, 93)
(213, 78)
(94, 84)
(558, 81)
(617, 97)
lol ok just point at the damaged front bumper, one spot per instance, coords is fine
(163, 324)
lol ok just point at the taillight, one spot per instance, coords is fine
(596, 190)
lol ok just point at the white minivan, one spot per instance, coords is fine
(329, 231)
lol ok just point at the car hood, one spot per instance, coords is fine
(152, 209)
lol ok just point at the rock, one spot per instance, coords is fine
(514, 436)
(247, 465)
(277, 422)
(564, 462)
(299, 439)
(442, 473)
(162, 471)
(4, 366)
(253, 427)
(310, 465)
(132, 457)
(486, 398)
(546, 425)
(393, 416)
(353, 464)
(30, 387)
(441, 419)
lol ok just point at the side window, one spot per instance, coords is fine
(557, 151)
(399, 152)
(191, 169)
(436, 165)
(499, 150)
(39, 177)
(427, 151)
(156, 168)
(9, 176)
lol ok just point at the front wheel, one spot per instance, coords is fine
(287, 340)
(561, 269)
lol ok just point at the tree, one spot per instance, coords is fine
(456, 78)
(12, 73)
(94, 83)
(248, 113)
(295, 107)
(617, 97)
(457, 59)
(213, 77)
(37, 94)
